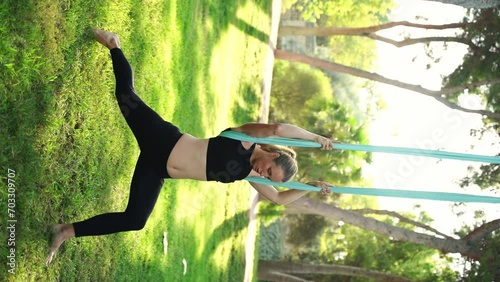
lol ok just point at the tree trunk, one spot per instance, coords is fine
(483, 231)
(438, 95)
(412, 41)
(402, 219)
(304, 268)
(278, 276)
(330, 31)
(448, 245)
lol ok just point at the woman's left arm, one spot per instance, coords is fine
(292, 131)
(283, 130)
(290, 195)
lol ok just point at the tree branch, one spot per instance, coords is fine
(402, 219)
(482, 231)
(412, 41)
(294, 267)
(460, 88)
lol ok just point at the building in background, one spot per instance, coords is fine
(297, 43)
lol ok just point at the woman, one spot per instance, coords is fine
(167, 153)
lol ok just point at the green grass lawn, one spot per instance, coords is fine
(197, 63)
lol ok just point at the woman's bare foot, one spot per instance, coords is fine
(108, 39)
(60, 232)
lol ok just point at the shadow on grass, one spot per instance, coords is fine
(244, 110)
(189, 60)
(198, 266)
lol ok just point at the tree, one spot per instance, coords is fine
(358, 11)
(482, 244)
(468, 246)
(479, 73)
(303, 96)
(292, 87)
(345, 244)
(436, 94)
(482, 61)
(281, 270)
(486, 177)
(332, 120)
(359, 31)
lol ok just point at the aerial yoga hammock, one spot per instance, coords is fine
(440, 196)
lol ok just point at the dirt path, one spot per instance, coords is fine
(266, 90)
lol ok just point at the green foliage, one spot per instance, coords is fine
(354, 51)
(269, 213)
(486, 269)
(302, 95)
(304, 229)
(359, 52)
(271, 241)
(331, 119)
(293, 86)
(344, 244)
(361, 12)
(482, 62)
(287, 4)
(486, 177)
(352, 246)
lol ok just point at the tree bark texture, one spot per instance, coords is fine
(448, 245)
(330, 31)
(478, 4)
(305, 268)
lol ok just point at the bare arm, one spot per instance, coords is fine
(287, 196)
(283, 130)
(278, 197)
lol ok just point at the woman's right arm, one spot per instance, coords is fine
(278, 197)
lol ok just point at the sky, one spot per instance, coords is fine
(417, 121)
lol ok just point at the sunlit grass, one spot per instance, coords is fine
(197, 63)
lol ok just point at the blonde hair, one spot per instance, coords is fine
(286, 160)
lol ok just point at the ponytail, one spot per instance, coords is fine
(286, 160)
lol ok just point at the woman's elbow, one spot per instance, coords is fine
(278, 203)
(272, 129)
(275, 200)
(278, 129)
(278, 200)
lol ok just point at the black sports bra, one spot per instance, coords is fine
(227, 159)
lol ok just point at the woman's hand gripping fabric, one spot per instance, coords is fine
(326, 144)
(325, 186)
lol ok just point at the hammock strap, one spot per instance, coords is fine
(409, 194)
(366, 148)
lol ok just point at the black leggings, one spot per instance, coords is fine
(156, 139)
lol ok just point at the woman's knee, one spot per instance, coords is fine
(137, 222)
(128, 101)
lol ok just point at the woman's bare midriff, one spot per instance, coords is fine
(188, 159)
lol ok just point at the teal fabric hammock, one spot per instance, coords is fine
(366, 148)
(439, 196)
